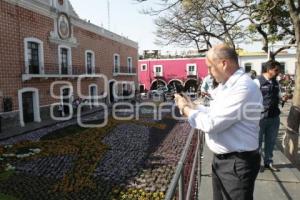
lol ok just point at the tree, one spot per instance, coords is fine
(270, 22)
(293, 121)
(199, 22)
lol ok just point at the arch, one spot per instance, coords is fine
(157, 82)
(191, 84)
(35, 103)
(177, 83)
(175, 79)
(40, 53)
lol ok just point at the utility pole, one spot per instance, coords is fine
(108, 14)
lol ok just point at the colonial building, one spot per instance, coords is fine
(47, 52)
(187, 72)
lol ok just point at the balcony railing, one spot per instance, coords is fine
(191, 73)
(50, 70)
(158, 74)
(124, 70)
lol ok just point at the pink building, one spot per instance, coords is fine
(187, 72)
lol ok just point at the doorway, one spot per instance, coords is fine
(28, 110)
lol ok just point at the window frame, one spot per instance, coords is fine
(129, 65)
(247, 65)
(155, 67)
(69, 59)
(116, 65)
(92, 61)
(40, 54)
(146, 66)
(194, 72)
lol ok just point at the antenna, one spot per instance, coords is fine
(108, 13)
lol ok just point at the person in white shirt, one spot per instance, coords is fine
(231, 125)
(207, 84)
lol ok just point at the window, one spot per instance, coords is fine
(64, 59)
(142, 88)
(116, 63)
(191, 69)
(7, 104)
(89, 62)
(144, 67)
(129, 64)
(282, 67)
(158, 70)
(248, 67)
(34, 56)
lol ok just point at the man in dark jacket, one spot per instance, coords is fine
(269, 124)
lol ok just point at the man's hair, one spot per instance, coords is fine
(271, 64)
(225, 52)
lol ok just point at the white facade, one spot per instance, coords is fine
(289, 61)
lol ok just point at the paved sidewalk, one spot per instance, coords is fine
(269, 185)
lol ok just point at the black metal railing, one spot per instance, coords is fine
(56, 69)
(189, 167)
(124, 70)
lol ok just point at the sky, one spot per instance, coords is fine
(126, 19)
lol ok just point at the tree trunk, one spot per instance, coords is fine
(291, 140)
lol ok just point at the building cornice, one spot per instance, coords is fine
(34, 6)
(102, 32)
(51, 12)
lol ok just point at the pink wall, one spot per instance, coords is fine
(172, 69)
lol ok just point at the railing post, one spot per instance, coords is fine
(192, 174)
(178, 178)
(181, 185)
(199, 163)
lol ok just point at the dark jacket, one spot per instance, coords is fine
(270, 93)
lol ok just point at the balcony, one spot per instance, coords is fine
(124, 71)
(158, 74)
(49, 70)
(191, 74)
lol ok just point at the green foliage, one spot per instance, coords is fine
(6, 197)
(5, 175)
(274, 19)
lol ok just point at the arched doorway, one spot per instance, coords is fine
(176, 84)
(157, 83)
(191, 85)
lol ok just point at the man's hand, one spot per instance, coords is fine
(180, 101)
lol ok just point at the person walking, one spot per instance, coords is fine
(269, 124)
(231, 125)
